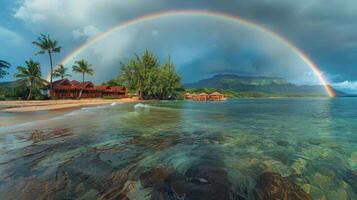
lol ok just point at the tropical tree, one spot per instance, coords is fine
(61, 72)
(3, 67)
(83, 67)
(49, 46)
(170, 81)
(149, 79)
(30, 76)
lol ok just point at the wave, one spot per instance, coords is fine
(101, 107)
(17, 126)
(141, 105)
(72, 113)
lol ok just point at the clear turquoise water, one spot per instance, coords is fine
(312, 141)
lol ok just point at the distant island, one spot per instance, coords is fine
(236, 86)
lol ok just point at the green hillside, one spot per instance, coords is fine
(256, 86)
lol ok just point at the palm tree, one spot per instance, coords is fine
(60, 71)
(30, 76)
(3, 66)
(46, 45)
(83, 67)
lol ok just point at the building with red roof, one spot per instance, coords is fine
(71, 89)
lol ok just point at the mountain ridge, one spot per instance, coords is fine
(259, 84)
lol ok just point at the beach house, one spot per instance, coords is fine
(215, 96)
(65, 88)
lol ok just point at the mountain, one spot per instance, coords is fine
(258, 84)
(7, 84)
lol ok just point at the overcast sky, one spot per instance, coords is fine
(199, 46)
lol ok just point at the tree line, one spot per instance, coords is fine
(148, 78)
(143, 75)
(29, 79)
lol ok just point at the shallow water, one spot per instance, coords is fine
(100, 152)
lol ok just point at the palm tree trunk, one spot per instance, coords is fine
(140, 95)
(49, 53)
(30, 93)
(80, 93)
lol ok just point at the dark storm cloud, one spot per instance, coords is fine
(325, 30)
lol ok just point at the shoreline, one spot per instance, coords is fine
(48, 105)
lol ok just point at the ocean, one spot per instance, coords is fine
(183, 150)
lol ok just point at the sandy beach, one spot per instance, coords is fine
(31, 106)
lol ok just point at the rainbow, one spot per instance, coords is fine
(219, 15)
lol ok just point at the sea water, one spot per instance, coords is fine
(104, 151)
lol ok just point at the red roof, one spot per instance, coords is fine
(86, 84)
(65, 84)
(118, 89)
(61, 82)
(101, 87)
(74, 82)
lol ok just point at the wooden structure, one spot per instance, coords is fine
(203, 97)
(188, 96)
(71, 89)
(215, 96)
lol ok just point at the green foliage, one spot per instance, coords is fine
(61, 72)
(83, 67)
(15, 93)
(148, 78)
(110, 97)
(54, 98)
(247, 94)
(46, 45)
(3, 67)
(49, 46)
(112, 82)
(30, 77)
(246, 86)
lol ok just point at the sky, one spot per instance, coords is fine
(199, 46)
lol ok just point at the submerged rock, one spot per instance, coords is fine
(281, 142)
(215, 185)
(272, 186)
(114, 184)
(155, 176)
(198, 183)
(351, 178)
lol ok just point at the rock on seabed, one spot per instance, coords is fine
(272, 186)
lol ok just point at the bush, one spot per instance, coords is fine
(54, 98)
(110, 97)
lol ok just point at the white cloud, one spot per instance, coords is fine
(347, 86)
(154, 32)
(10, 37)
(69, 15)
(85, 32)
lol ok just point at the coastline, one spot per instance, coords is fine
(47, 105)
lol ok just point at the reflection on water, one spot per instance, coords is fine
(241, 149)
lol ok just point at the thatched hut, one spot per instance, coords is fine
(203, 97)
(216, 96)
(188, 95)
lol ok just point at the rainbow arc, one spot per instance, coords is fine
(219, 15)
